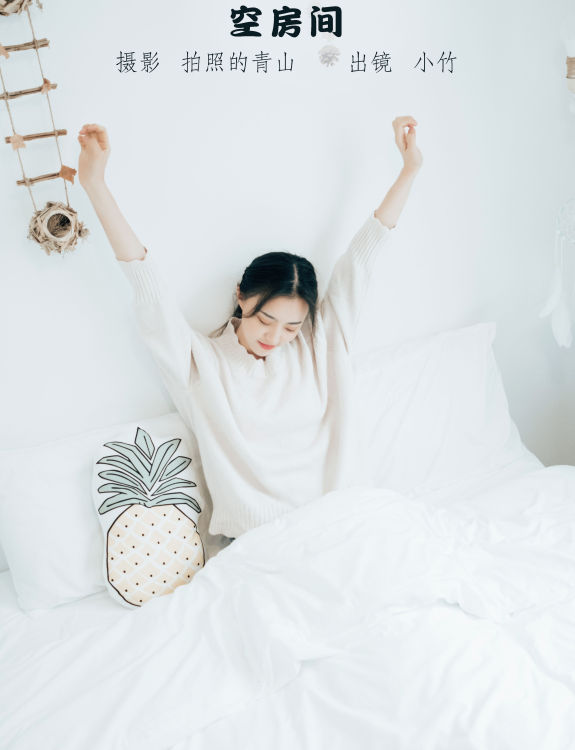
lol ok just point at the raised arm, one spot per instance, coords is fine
(91, 168)
(394, 201)
(162, 326)
(351, 276)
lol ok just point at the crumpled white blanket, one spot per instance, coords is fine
(301, 588)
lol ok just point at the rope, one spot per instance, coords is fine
(17, 150)
(49, 105)
(27, 181)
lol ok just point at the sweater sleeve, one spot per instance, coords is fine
(161, 324)
(349, 282)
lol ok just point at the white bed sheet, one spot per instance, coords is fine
(469, 642)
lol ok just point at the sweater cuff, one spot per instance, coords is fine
(143, 276)
(369, 236)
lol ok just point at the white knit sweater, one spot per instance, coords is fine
(273, 433)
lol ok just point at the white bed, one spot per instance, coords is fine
(407, 670)
(435, 617)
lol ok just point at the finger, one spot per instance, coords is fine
(87, 136)
(92, 127)
(99, 132)
(88, 128)
(85, 139)
(399, 126)
(89, 142)
(399, 139)
(405, 120)
(405, 131)
(103, 139)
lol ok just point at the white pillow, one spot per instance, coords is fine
(48, 526)
(148, 506)
(432, 411)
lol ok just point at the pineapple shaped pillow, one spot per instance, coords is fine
(148, 518)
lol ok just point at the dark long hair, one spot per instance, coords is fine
(277, 274)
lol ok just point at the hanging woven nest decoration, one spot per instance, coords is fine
(8, 7)
(56, 228)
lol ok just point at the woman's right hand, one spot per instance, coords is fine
(94, 154)
(412, 158)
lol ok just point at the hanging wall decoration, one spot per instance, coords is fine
(559, 300)
(8, 7)
(570, 62)
(56, 226)
(559, 303)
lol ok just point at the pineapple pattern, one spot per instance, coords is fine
(152, 547)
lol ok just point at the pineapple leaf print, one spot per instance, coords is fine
(145, 442)
(145, 475)
(175, 497)
(138, 463)
(172, 484)
(123, 479)
(119, 461)
(176, 466)
(163, 456)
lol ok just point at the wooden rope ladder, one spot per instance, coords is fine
(55, 227)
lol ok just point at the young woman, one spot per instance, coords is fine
(269, 399)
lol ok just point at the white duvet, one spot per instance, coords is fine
(365, 619)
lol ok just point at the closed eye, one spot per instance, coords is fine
(263, 322)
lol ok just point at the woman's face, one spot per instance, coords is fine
(275, 324)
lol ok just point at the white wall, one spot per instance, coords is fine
(212, 169)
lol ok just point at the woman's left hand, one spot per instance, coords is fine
(412, 158)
